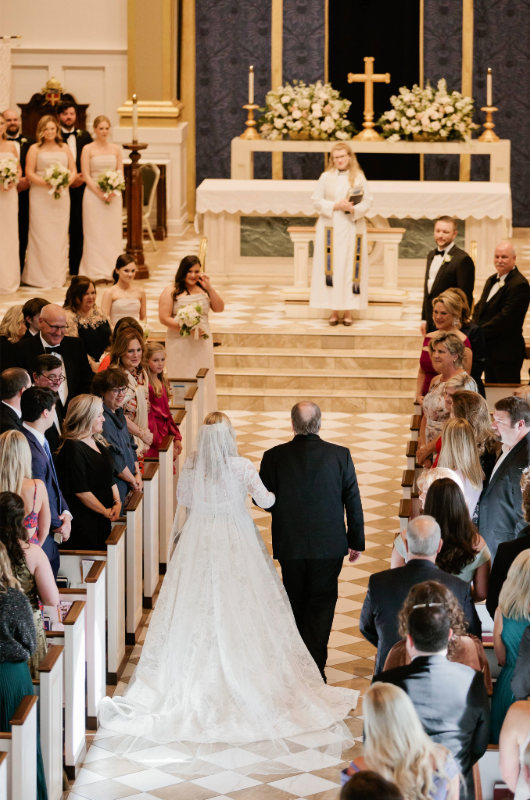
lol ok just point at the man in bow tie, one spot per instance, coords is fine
(448, 267)
(71, 350)
(501, 312)
(76, 140)
(22, 144)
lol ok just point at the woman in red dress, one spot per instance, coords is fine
(160, 420)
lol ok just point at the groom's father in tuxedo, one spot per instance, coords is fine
(315, 487)
(76, 139)
(448, 267)
(22, 144)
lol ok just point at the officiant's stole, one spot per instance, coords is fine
(331, 185)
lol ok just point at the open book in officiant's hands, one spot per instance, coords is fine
(355, 196)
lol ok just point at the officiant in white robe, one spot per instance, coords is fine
(340, 259)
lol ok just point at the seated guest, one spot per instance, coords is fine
(450, 698)
(464, 553)
(160, 420)
(31, 311)
(13, 384)
(472, 407)
(367, 785)
(501, 516)
(397, 747)
(501, 312)
(111, 386)
(507, 552)
(86, 475)
(48, 372)
(18, 642)
(70, 350)
(447, 316)
(478, 343)
(128, 354)
(30, 567)
(12, 329)
(514, 750)
(124, 322)
(459, 453)
(459, 382)
(85, 319)
(388, 590)
(37, 415)
(511, 619)
(463, 647)
(15, 476)
(520, 682)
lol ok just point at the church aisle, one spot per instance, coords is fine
(377, 442)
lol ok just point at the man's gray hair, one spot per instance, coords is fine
(423, 536)
(306, 417)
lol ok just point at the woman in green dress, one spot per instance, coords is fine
(511, 618)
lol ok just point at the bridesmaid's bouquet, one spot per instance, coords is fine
(111, 181)
(57, 176)
(189, 318)
(8, 172)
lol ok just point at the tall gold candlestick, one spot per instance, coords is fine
(251, 132)
(488, 135)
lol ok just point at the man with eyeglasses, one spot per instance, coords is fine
(48, 373)
(52, 340)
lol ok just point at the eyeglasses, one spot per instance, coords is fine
(121, 390)
(55, 328)
(54, 378)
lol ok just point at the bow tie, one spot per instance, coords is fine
(55, 349)
(440, 253)
(66, 134)
(15, 138)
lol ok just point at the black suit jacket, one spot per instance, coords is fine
(7, 354)
(9, 419)
(502, 318)
(314, 482)
(507, 552)
(500, 513)
(458, 272)
(52, 434)
(81, 139)
(25, 143)
(387, 591)
(41, 468)
(77, 368)
(452, 704)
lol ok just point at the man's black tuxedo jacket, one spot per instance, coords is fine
(25, 143)
(387, 591)
(456, 273)
(314, 482)
(507, 552)
(502, 318)
(81, 139)
(77, 368)
(452, 704)
(9, 419)
(500, 516)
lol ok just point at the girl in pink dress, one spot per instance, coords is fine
(160, 420)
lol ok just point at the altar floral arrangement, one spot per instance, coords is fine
(189, 318)
(315, 111)
(429, 114)
(8, 172)
(111, 181)
(57, 176)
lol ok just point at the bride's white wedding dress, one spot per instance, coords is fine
(223, 660)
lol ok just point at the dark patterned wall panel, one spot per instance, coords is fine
(502, 42)
(231, 35)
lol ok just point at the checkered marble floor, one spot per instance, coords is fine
(377, 443)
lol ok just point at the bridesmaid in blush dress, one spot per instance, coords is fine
(10, 272)
(125, 298)
(49, 218)
(102, 216)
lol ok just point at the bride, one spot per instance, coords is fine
(223, 660)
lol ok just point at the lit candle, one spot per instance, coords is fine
(251, 86)
(135, 119)
(489, 99)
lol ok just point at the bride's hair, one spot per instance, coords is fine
(216, 417)
(354, 168)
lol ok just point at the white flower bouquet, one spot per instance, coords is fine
(57, 176)
(303, 111)
(8, 172)
(189, 318)
(431, 114)
(111, 181)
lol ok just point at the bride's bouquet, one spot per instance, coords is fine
(111, 181)
(189, 318)
(57, 176)
(8, 172)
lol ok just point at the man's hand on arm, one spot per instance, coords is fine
(65, 528)
(354, 555)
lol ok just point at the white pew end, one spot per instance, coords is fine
(21, 748)
(3, 776)
(133, 566)
(490, 772)
(201, 407)
(151, 480)
(165, 497)
(74, 689)
(50, 690)
(191, 404)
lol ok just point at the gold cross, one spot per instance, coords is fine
(368, 78)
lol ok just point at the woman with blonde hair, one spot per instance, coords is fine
(128, 353)
(15, 476)
(459, 453)
(512, 617)
(10, 272)
(160, 419)
(85, 469)
(102, 223)
(12, 329)
(397, 747)
(340, 262)
(49, 217)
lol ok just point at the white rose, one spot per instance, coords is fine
(316, 108)
(285, 98)
(393, 138)
(278, 123)
(410, 112)
(342, 135)
(391, 115)
(448, 109)
(296, 114)
(435, 125)
(335, 115)
(395, 125)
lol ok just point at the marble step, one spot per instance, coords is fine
(349, 402)
(316, 359)
(314, 380)
(386, 339)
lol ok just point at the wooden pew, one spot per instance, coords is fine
(3, 776)
(202, 410)
(20, 747)
(490, 773)
(133, 566)
(415, 423)
(166, 502)
(49, 689)
(151, 479)
(496, 391)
